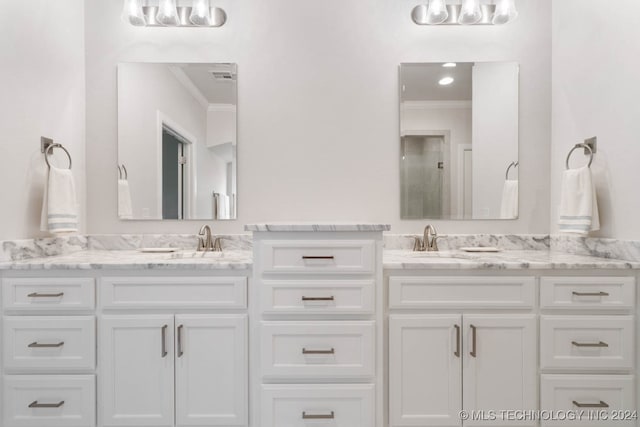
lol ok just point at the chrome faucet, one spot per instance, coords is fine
(206, 242)
(429, 241)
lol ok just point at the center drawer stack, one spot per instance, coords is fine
(317, 328)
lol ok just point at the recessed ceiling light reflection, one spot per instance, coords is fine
(446, 81)
(450, 65)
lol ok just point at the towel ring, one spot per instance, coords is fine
(51, 147)
(511, 165)
(577, 146)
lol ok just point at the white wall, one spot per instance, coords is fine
(596, 92)
(318, 105)
(42, 94)
(495, 134)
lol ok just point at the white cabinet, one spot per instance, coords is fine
(429, 353)
(211, 370)
(425, 373)
(140, 360)
(500, 366)
(136, 378)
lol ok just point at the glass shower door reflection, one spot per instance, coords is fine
(422, 176)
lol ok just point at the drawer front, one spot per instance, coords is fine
(319, 256)
(335, 350)
(585, 342)
(48, 294)
(174, 292)
(49, 343)
(461, 292)
(608, 393)
(317, 405)
(609, 293)
(49, 401)
(310, 296)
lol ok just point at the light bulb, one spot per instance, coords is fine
(200, 13)
(470, 12)
(133, 14)
(437, 12)
(168, 13)
(505, 12)
(446, 81)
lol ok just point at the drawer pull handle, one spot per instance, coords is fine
(305, 351)
(331, 298)
(457, 352)
(473, 352)
(163, 350)
(318, 257)
(39, 295)
(180, 351)
(38, 345)
(35, 404)
(590, 344)
(591, 405)
(330, 416)
(590, 294)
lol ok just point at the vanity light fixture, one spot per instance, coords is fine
(446, 81)
(470, 12)
(168, 13)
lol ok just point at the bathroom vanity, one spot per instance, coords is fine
(319, 326)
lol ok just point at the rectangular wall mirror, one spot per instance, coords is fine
(177, 144)
(459, 140)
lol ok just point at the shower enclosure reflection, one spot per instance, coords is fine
(458, 136)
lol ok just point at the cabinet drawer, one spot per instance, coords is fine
(49, 343)
(174, 292)
(317, 405)
(584, 342)
(461, 292)
(48, 294)
(610, 393)
(617, 293)
(318, 349)
(49, 401)
(310, 296)
(319, 256)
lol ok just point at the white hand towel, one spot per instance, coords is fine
(509, 208)
(125, 210)
(59, 207)
(223, 206)
(578, 203)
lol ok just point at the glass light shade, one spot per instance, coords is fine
(470, 13)
(505, 12)
(437, 12)
(168, 13)
(132, 13)
(200, 13)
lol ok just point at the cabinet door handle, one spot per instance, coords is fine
(318, 257)
(591, 405)
(590, 294)
(38, 345)
(180, 352)
(331, 298)
(457, 352)
(35, 404)
(305, 351)
(474, 343)
(590, 344)
(330, 416)
(164, 341)
(39, 295)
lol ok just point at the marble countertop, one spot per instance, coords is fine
(135, 260)
(392, 260)
(302, 226)
(505, 260)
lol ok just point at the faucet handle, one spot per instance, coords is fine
(418, 244)
(217, 244)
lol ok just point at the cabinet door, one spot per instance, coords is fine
(425, 370)
(499, 364)
(211, 370)
(136, 371)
